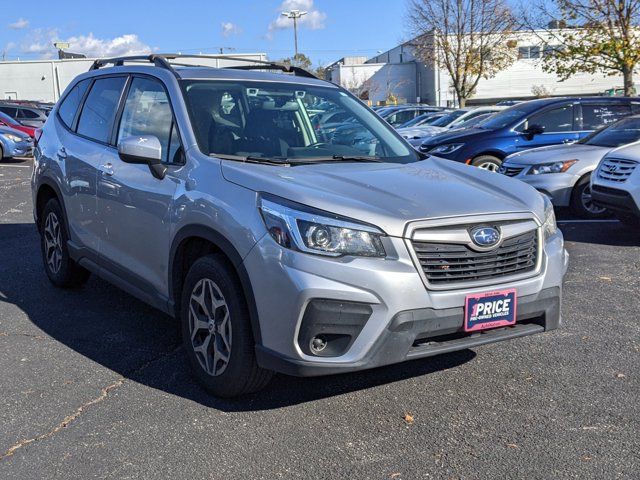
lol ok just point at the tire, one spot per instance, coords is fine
(1, 153)
(60, 268)
(216, 331)
(487, 162)
(581, 202)
(628, 220)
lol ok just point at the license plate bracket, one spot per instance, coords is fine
(490, 310)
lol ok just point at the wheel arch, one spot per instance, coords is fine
(494, 153)
(194, 241)
(46, 191)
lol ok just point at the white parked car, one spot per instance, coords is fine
(415, 136)
(616, 183)
(563, 172)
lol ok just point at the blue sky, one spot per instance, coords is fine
(332, 29)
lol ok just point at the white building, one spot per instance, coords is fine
(45, 80)
(399, 73)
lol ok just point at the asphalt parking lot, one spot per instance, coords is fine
(94, 385)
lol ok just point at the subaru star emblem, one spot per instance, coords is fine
(485, 237)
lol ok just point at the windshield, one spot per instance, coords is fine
(423, 119)
(620, 133)
(448, 118)
(8, 120)
(504, 118)
(275, 122)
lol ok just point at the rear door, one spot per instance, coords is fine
(134, 205)
(559, 123)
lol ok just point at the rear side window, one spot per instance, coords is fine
(596, 115)
(24, 113)
(99, 111)
(69, 105)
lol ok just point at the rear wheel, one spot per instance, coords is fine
(216, 331)
(487, 162)
(61, 269)
(582, 201)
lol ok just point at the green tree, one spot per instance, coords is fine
(299, 60)
(594, 36)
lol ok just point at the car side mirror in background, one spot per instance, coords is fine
(532, 131)
(143, 149)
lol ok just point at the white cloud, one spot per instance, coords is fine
(40, 42)
(19, 24)
(313, 20)
(229, 29)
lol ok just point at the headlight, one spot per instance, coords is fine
(447, 148)
(549, 227)
(13, 138)
(299, 227)
(555, 167)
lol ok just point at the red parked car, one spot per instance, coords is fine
(7, 121)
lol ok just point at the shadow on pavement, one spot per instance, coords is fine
(611, 233)
(120, 333)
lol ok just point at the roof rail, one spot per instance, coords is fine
(162, 61)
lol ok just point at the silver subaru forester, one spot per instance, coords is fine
(211, 194)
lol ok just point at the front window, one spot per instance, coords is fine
(274, 121)
(623, 132)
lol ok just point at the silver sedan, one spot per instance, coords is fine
(563, 171)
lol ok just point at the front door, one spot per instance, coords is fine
(134, 205)
(559, 124)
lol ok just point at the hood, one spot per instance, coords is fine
(453, 136)
(391, 195)
(557, 153)
(13, 131)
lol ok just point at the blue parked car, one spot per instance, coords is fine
(537, 123)
(14, 143)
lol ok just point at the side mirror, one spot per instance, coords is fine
(533, 130)
(143, 149)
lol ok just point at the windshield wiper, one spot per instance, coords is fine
(335, 158)
(253, 159)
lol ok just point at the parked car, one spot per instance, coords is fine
(30, 116)
(536, 123)
(14, 143)
(423, 119)
(396, 116)
(563, 171)
(7, 121)
(455, 120)
(615, 185)
(278, 252)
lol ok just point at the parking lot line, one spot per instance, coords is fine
(14, 166)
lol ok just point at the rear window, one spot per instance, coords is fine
(595, 116)
(98, 113)
(69, 105)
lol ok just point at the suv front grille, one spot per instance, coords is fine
(616, 170)
(511, 171)
(444, 263)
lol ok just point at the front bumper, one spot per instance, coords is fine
(402, 311)
(557, 186)
(18, 149)
(616, 199)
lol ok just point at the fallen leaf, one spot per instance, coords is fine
(512, 445)
(621, 375)
(608, 279)
(586, 457)
(395, 475)
(408, 418)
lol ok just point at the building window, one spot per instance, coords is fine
(528, 52)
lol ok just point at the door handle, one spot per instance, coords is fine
(107, 169)
(62, 152)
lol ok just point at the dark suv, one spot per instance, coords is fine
(537, 123)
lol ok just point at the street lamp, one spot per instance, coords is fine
(295, 15)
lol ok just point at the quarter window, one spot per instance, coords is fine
(147, 112)
(99, 111)
(595, 116)
(69, 105)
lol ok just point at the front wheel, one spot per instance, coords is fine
(487, 162)
(582, 201)
(216, 331)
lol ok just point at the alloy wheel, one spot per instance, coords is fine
(490, 166)
(53, 242)
(587, 202)
(210, 327)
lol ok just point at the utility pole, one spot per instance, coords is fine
(295, 15)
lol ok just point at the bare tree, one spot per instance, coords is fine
(588, 36)
(467, 38)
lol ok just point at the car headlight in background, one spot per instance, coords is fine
(13, 138)
(447, 148)
(302, 228)
(554, 167)
(549, 227)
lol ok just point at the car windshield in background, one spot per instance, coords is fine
(504, 118)
(424, 119)
(623, 132)
(8, 120)
(274, 122)
(448, 118)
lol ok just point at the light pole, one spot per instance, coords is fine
(295, 15)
